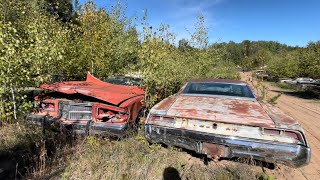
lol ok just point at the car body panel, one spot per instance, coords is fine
(227, 126)
(96, 88)
(217, 109)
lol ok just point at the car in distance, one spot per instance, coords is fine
(316, 82)
(224, 118)
(89, 107)
(261, 74)
(284, 80)
(301, 80)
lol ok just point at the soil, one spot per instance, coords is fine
(307, 112)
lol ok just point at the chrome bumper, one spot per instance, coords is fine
(96, 129)
(225, 146)
(40, 120)
(81, 128)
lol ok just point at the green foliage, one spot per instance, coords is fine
(303, 62)
(278, 59)
(284, 65)
(255, 54)
(310, 60)
(29, 48)
(166, 68)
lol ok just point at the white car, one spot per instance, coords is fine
(284, 80)
(301, 80)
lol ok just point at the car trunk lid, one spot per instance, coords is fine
(242, 111)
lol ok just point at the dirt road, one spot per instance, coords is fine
(307, 112)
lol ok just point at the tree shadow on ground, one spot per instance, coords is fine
(33, 159)
(299, 94)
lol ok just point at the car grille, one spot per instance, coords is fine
(77, 111)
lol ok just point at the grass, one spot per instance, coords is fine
(17, 136)
(284, 85)
(55, 156)
(273, 99)
(26, 152)
(134, 158)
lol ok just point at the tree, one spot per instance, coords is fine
(184, 45)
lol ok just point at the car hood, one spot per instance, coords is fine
(93, 87)
(221, 109)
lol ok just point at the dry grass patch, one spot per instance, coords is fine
(134, 158)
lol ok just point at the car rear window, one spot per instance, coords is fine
(124, 80)
(223, 89)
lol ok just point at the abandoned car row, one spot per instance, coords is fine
(215, 117)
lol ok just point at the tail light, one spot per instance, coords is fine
(272, 131)
(160, 118)
(47, 106)
(281, 132)
(292, 134)
(154, 118)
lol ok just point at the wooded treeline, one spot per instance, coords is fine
(280, 60)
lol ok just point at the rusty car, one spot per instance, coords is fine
(92, 106)
(225, 119)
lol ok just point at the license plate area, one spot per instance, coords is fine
(214, 151)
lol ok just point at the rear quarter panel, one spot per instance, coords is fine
(134, 106)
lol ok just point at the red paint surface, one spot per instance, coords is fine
(93, 87)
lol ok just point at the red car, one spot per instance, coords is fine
(92, 106)
(224, 118)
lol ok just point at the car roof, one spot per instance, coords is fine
(217, 81)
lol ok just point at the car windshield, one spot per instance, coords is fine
(124, 80)
(224, 89)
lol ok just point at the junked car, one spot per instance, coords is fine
(262, 74)
(91, 106)
(284, 80)
(224, 118)
(301, 80)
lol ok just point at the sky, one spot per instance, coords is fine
(293, 22)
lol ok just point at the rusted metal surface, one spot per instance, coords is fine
(228, 110)
(223, 109)
(232, 130)
(93, 87)
(228, 126)
(204, 143)
(166, 103)
(281, 120)
(118, 108)
(214, 151)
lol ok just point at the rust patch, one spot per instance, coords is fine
(166, 103)
(93, 87)
(214, 151)
(228, 110)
